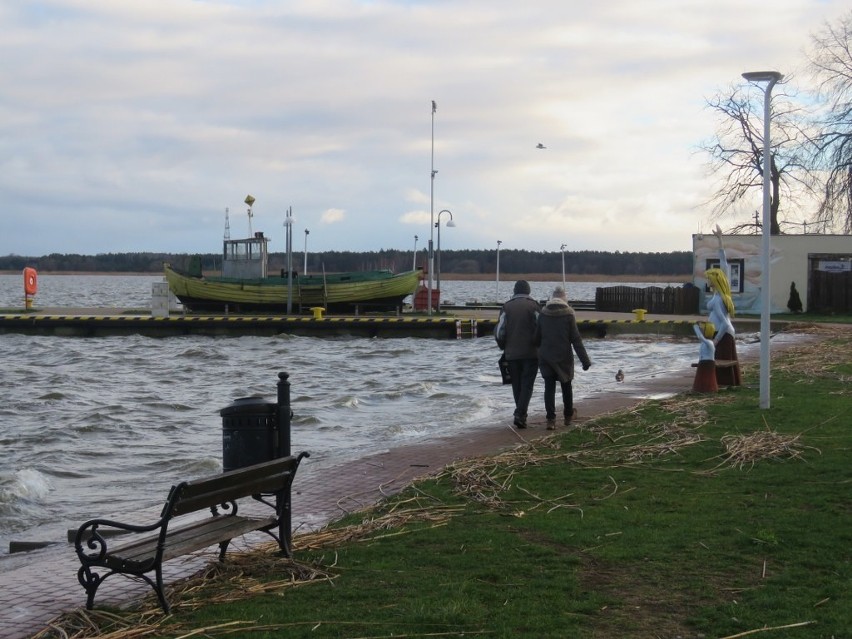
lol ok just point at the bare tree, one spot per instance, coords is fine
(736, 151)
(831, 64)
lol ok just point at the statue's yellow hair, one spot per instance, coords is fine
(719, 281)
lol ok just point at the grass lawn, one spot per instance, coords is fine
(695, 516)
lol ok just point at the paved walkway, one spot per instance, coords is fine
(44, 583)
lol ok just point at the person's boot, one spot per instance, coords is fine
(570, 416)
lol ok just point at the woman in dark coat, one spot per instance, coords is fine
(556, 335)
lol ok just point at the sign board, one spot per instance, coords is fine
(835, 266)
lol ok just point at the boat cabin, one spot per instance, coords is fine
(245, 259)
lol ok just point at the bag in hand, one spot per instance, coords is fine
(503, 365)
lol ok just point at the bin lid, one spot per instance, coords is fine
(255, 405)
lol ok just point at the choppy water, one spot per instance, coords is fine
(134, 291)
(106, 425)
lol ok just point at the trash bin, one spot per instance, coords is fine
(249, 432)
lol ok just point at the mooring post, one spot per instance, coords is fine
(285, 414)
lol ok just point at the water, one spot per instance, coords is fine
(134, 291)
(96, 426)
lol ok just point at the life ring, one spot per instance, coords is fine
(30, 281)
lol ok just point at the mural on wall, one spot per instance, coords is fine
(745, 269)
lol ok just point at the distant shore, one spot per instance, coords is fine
(471, 277)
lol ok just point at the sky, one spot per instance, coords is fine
(133, 125)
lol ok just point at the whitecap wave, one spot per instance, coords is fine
(27, 484)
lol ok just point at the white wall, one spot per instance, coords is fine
(788, 261)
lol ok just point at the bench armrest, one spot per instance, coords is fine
(89, 535)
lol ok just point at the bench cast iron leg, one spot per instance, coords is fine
(90, 582)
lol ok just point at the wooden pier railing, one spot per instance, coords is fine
(682, 300)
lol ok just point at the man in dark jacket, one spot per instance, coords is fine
(556, 334)
(515, 333)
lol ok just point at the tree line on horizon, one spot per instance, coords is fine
(463, 262)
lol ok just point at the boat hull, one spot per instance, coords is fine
(340, 292)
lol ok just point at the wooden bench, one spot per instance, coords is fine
(138, 554)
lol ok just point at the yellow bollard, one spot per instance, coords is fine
(317, 311)
(640, 314)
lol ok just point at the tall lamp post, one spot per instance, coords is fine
(432, 209)
(562, 248)
(414, 259)
(497, 286)
(771, 78)
(438, 270)
(305, 270)
(288, 244)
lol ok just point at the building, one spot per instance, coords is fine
(818, 266)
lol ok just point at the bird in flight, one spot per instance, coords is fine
(540, 146)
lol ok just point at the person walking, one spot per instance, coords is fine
(556, 335)
(515, 333)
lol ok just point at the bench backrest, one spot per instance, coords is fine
(200, 494)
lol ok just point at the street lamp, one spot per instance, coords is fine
(438, 270)
(305, 270)
(771, 78)
(288, 245)
(562, 248)
(497, 288)
(414, 259)
(432, 208)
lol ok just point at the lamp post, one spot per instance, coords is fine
(305, 270)
(562, 248)
(288, 243)
(438, 270)
(414, 259)
(771, 78)
(497, 287)
(432, 208)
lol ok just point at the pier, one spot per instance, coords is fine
(456, 323)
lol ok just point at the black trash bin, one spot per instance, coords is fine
(249, 432)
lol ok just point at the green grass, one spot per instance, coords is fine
(697, 516)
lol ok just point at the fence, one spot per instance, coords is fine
(682, 300)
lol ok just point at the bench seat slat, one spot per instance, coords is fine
(721, 363)
(186, 539)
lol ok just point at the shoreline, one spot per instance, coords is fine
(47, 577)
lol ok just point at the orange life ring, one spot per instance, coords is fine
(30, 281)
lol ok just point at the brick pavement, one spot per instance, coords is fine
(37, 589)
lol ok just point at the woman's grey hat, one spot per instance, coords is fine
(560, 293)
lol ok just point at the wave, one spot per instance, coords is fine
(27, 484)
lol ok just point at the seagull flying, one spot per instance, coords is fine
(540, 146)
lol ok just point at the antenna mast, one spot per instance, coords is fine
(227, 225)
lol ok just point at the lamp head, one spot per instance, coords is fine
(451, 223)
(763, 76)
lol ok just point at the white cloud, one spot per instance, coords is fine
(333, 216)
(132, 125)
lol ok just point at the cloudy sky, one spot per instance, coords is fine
(130, 125)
